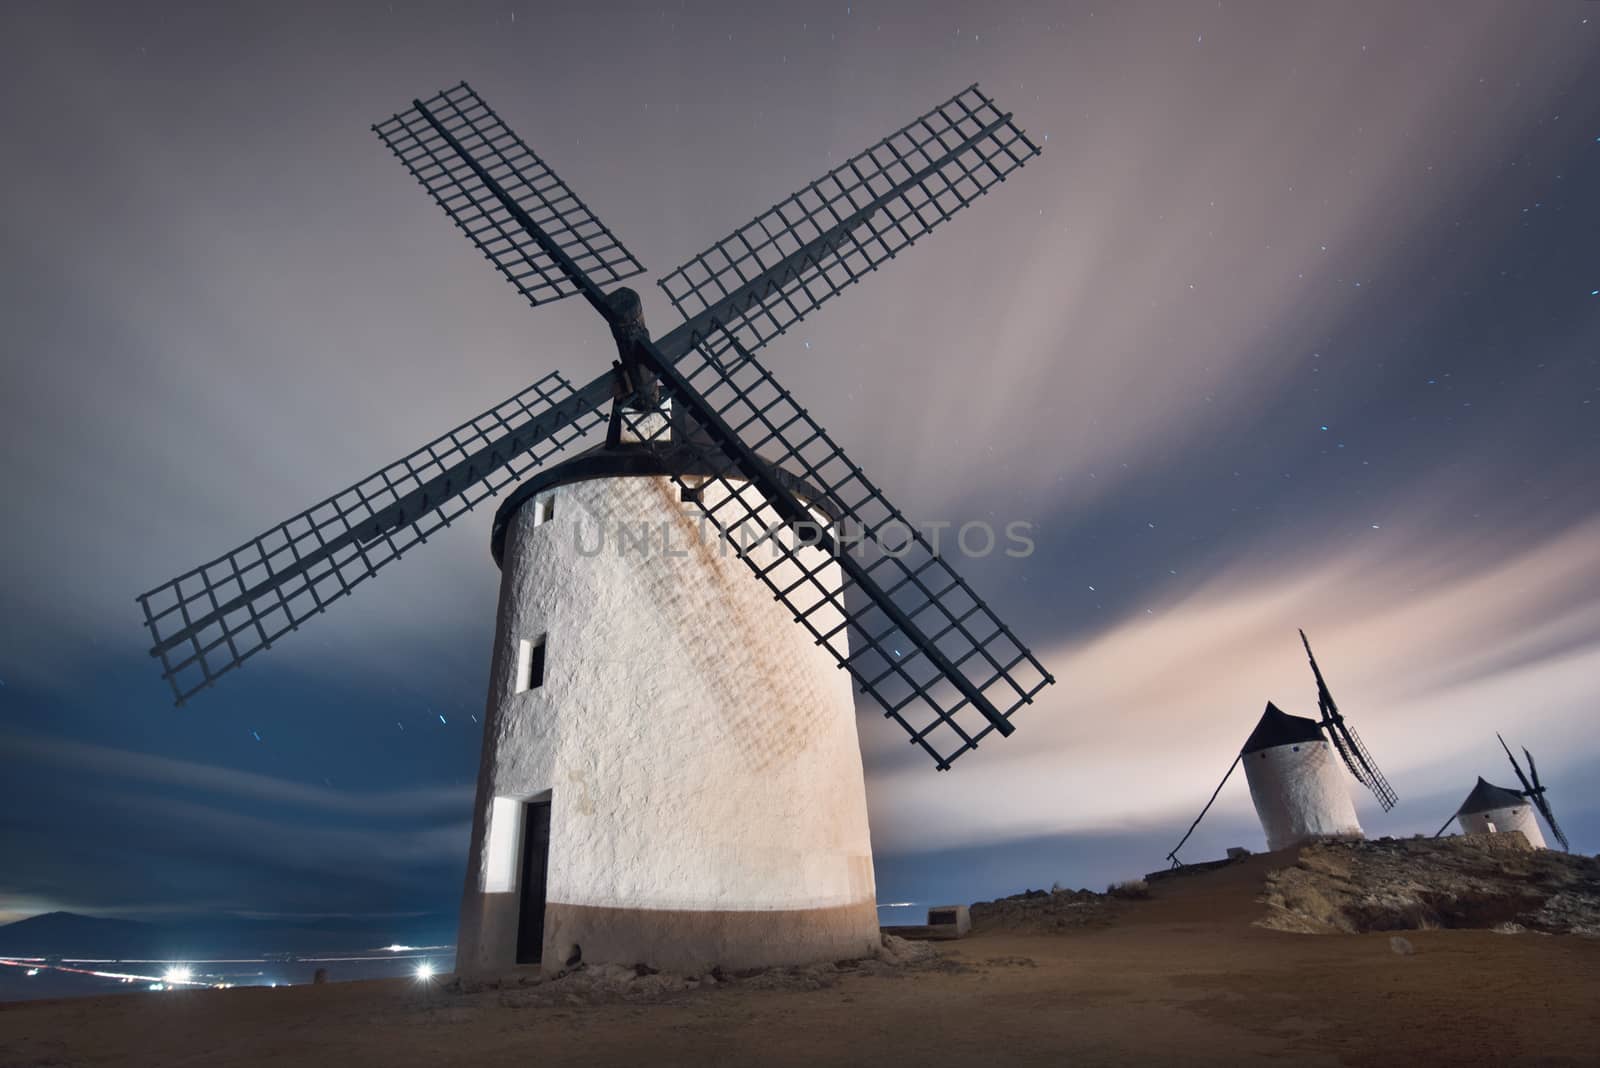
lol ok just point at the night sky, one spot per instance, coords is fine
(1295, 323)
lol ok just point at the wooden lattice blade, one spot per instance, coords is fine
(784, 264)
(490, 184)
(208, 621)
(1361, 764)
(924, 646)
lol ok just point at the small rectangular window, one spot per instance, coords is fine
(544, 511)
(530, 664)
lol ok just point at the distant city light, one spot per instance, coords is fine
(32, 972)
(424, 971)
(398, 948)
(179, 974)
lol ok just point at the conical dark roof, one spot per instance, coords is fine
(1486, 797)
(1276, 727)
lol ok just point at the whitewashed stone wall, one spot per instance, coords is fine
(698, 749)
(1300, 793)
(1514, 818)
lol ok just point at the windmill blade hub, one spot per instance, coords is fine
(629, 307)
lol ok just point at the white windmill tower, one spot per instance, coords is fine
(1294, 779)
(1491, 809)
(670, 770)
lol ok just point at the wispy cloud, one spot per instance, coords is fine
(1428, 654)
(108, 763)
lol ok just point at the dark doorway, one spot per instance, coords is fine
(535, 866)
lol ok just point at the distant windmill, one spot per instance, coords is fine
(1491, 809)
(670, 770)
(1295, 784)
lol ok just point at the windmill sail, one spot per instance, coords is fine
(926, 647)
(208, 621)
(1535, 792)
(1347, 741)
(760, 280)
(484, 176)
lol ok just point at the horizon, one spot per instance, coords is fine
(1246, 361)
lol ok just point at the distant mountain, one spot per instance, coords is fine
(68, 934)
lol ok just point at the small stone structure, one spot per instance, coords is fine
(949, 921)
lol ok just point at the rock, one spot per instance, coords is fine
(1037, 910)
(1237, 852)
(900, 951)
(614, 977)
(1468, 881)
(1402, 946)
(657, 983)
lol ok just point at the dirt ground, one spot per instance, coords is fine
(1183, 977)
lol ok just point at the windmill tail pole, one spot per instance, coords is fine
(1173, 856)
(1441, 830)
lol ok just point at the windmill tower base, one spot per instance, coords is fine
(1491, 809)
(671, 774)
(1519, 818)
(1299, 794)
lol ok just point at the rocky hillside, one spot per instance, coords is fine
(1485, 881)
(1053, 910)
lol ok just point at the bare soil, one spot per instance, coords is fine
(1185, 975)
